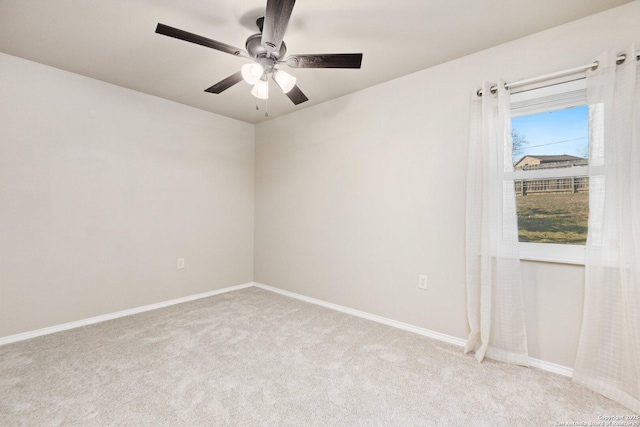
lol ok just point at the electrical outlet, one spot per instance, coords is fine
(422, 281)
(180, 262)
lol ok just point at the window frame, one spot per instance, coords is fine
(532, 101)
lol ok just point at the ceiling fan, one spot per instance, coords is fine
(267, 50)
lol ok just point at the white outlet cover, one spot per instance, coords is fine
(422, 281)
(180, 262)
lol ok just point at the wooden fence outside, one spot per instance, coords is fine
(552, 185)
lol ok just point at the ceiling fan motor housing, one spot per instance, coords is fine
(255, 49)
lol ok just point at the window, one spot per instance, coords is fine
(550, 156)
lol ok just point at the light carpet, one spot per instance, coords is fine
(254, 357)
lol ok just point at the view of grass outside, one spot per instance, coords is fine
(552, 210)
(553, 218)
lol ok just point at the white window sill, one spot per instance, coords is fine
(551, 252)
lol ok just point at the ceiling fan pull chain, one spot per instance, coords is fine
(266, 108)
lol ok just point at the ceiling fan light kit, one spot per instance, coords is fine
(284, 80)
(261, 89)
(251, 73)
(267, 49)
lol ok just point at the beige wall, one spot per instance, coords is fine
(357, 196)
(103, 188)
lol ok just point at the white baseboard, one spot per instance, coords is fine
(405, 326)
(551, 367)
(109, 316)
(534, 363)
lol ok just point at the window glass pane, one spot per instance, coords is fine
(553, 217)
(552, 210)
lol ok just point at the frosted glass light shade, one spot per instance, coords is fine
(284, 80)
(251, 73)
(261, 89)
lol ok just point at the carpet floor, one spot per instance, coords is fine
(254, 357)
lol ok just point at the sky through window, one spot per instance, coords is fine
(553, 133)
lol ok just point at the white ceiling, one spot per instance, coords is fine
(115, 41)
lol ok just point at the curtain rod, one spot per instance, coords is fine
(619, 60)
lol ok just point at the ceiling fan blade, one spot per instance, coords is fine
(275, 23)
(328, 60)
(225, 84)
(296, 96)
(194, 38)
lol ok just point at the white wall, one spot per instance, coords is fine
(103, 188)
(357, 196)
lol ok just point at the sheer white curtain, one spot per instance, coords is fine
(608, 359)
(494, 288)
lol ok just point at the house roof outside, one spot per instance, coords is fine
(550, 161)
(552, 158)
